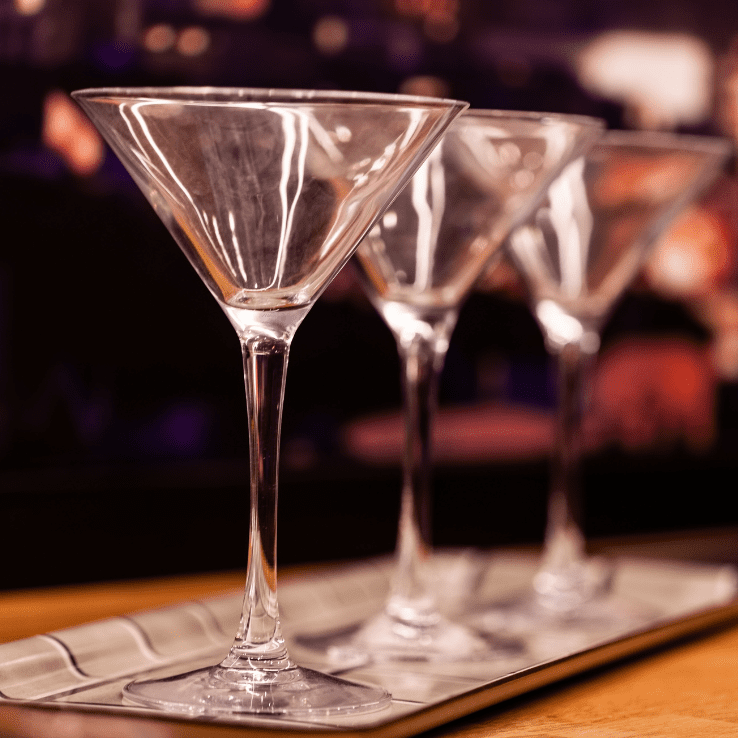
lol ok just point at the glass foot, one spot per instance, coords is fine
(384, 638)
(566, 590)
(550, 633)
(292, 692)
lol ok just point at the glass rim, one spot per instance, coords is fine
(532, 116)
(195, 95)
(666, 139)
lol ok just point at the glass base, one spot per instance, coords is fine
(564, 610)
(563, 590)
(292, 692)
(384, 638)
(546, 633)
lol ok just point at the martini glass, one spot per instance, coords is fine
(267, 192)
(578, 253)
(418, 264)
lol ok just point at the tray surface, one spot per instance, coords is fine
(84, 668)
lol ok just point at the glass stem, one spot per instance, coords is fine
(564, 548)
(412, 598)
(259, 643)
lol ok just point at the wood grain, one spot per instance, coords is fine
(682, 692)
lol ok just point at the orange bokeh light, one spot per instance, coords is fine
(236, 9)
(68, 132)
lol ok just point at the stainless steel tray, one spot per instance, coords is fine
(83, 669)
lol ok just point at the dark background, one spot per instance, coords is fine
(122, 422)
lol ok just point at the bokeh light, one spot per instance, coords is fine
(159, 38)
(663, 80)
(29, 7)
(425, 86)
(193, 41)
(244, 10)
(69, 133)
(330, 35)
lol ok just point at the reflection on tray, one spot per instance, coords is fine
(86, 666)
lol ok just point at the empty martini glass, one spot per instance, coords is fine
(418, 264)
(578, 253)
(267, 192)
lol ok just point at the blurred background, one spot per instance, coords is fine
(122, 421)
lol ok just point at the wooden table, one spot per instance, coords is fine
(687, 690)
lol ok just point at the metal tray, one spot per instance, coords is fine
(83, 669)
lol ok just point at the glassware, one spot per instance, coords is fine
(418, 264)
(578, 253)
(267, 192)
